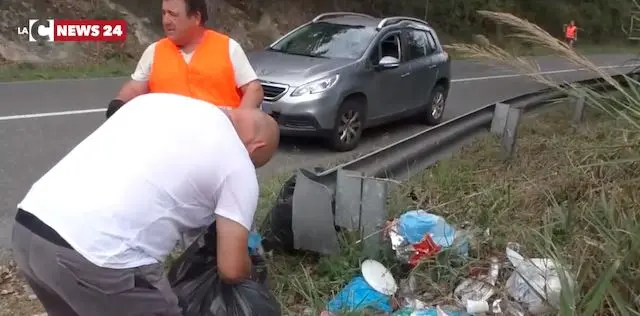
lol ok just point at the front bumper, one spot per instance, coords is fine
(306, 115)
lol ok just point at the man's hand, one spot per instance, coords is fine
(252, 95)
(234, 263)
(114, 106)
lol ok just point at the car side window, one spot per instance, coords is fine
(389, 46)
(420, 44)
(432, 43)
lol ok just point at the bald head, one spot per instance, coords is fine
(258, 131)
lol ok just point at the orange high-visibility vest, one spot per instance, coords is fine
(570, 32)
(208, 77)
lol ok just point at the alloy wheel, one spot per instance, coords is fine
(437, 106)
(349, 126)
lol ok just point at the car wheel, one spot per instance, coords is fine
(349, 126)
(435, 108)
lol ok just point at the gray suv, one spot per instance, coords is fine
(343, 72)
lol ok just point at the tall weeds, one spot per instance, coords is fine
(608, 230)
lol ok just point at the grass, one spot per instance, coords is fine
(28, 71)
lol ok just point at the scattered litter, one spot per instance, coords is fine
(535, 283)
(379, 277)
(418, 234)
(532, 289)
(358, 296)
(508, 308)
(474, 293)
(255, 243)
(372, 290)
(430, 311)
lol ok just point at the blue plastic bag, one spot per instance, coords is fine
(255, 242)
(414, 225)
(358, 296)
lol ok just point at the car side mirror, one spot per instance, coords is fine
(388, 62)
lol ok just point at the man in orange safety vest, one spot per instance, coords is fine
(193, 61)
(570, 33)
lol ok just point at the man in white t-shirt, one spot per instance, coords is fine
(91, 234)
(193, 61)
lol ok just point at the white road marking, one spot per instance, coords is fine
(36, 115)
(550, 72)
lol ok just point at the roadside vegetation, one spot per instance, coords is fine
(571, 194)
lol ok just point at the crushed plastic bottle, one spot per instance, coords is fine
(535, 283)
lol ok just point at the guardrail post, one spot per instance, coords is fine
(505, 123)
(361, 205)
(511, 131)
(578, 111)
(499, 118)
(312, 219)
(373, 214)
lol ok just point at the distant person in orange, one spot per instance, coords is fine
(193, 61)
(570, 33)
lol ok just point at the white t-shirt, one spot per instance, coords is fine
(159, 167)
(243, 70)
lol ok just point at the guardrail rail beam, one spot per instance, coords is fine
(353, 195)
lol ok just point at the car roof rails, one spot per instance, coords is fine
(398, 19)
(335, 14)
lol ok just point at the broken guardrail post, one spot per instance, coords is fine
(578, 111)
(506, 120)
(312, 220)
(361, 205)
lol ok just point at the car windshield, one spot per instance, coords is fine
(327, 40)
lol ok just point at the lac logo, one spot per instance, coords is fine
(38, 30)
(59, 30)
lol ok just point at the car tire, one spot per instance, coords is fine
(348, 126)
(434, 111)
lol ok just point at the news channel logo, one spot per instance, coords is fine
(39, 30)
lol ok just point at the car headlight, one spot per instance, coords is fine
(316, 86)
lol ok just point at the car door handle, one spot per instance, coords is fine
(405, 74)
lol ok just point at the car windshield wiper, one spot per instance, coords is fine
(305, 54)
(296, 53)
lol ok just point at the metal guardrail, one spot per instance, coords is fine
(353, 195)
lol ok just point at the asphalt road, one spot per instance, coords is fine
(41, 121)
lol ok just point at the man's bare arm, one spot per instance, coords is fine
(252, 95)
(129, 90)
(132, 89)
(234, 263)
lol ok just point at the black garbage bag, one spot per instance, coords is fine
(278, 224)
(278, 230)
(194, 278)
